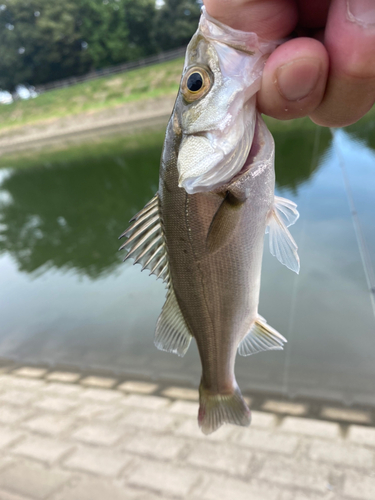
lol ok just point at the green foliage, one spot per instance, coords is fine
(116, 30)
(46, 40)
(175, 23)
(39, 41)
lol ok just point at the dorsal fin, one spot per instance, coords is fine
(146, 246)
(145, 242)
(172, 333)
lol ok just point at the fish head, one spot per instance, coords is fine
(216, 106)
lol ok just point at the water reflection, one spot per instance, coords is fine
(66, 212)
(61, 213)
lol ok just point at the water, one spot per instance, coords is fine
(66, 298)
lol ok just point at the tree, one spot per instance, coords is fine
(175, 23)
(116, 30)
(40, 41)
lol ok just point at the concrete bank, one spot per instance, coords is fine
(122, 119)
(68, 437)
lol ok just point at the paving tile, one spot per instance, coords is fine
(341, 453)
(31, 479)
(43, 449)
(190, 428)
(310, 427)
(184, 408)
(293, 473)
(30, 372)
(13, 414)
(150, 420)
(65, 377)
(9, 436)
(356, 416)
(181, 393)
(259, 439)
(18, 398)
(102, 462)
(263, 420)
(146, 402)
(297, 409)
(98, 434)
(101, 395)
(220, 457)
(138, 387)
(50, 424)
(57, 389)
(111, 414)
(155, 446)
(89, 410)
(60, 405)
(4, 495)
(359, 486)
(362, 435)
(234, 489)
(100, 382)
(162, 477)
(90, 488)
(21, 383)
(330, 494)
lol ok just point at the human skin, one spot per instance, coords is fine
(326, 71)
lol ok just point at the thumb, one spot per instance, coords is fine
(269, 19)
(295, 74)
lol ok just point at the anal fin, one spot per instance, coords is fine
(172, 333)
(261, 337)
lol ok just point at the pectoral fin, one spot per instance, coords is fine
(224, 223)
(261, 337)
(282, 244)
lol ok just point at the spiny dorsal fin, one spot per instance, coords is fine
(172, 333)
(261, 337)
(282, 244)
(145, 242)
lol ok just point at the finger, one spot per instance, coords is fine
(350, 42)
(313, 14)
(269, 19)
(294, 79)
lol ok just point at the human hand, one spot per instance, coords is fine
(327, 72)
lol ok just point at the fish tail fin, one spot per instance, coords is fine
(218, 409)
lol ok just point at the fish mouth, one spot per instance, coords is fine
(209, 160)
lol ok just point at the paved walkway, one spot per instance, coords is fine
(64, 437)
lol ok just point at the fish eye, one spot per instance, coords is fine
(196, 83)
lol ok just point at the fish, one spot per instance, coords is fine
(203, 232)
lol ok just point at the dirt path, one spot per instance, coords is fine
(127, 118)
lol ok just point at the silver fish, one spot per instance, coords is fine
(203, 232)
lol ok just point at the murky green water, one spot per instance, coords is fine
(67, 298)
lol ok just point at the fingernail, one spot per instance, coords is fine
(297, 79)
(361, 12)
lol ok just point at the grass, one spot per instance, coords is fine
(94, 95)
